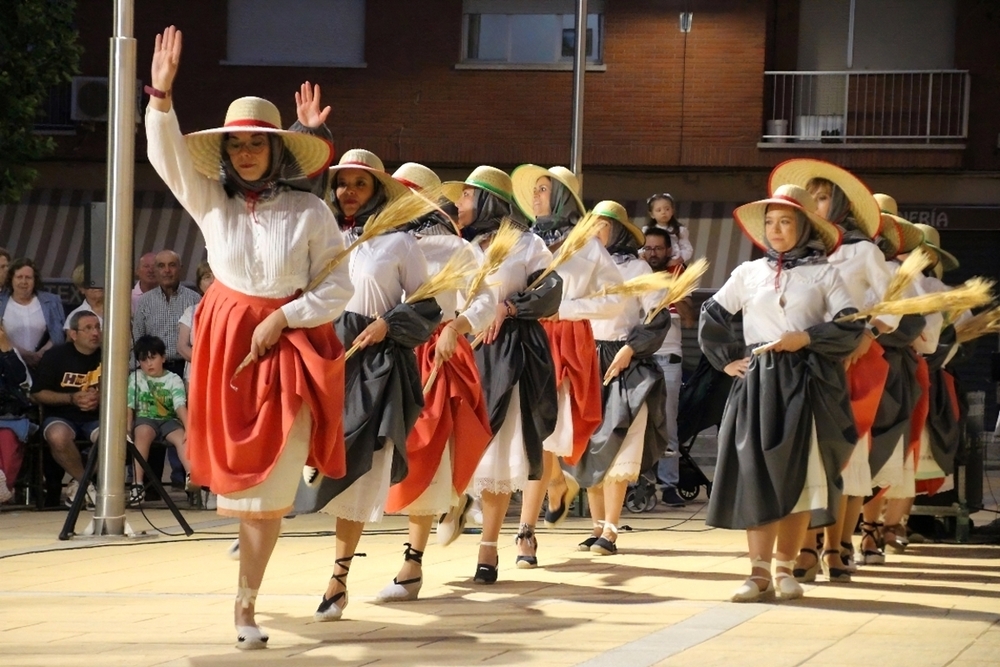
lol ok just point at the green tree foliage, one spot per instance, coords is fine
(38, 49)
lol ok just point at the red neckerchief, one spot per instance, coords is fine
(777, 276)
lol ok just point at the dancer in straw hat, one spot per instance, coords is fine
(845, 201)
(787, 429)
(382, 381)
(453, 429)
(266, 242)
(550, 199)
(632, 433)
(514, 361)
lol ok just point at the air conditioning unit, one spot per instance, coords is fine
(90, 99)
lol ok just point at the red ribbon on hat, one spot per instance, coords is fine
(409, 184)
(249, 122)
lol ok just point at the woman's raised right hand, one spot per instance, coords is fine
(166, 59)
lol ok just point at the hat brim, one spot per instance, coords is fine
(313, 154)
(627, 223)
(453, 190)
(750, 217)
(946, 260)
(393, 188)
(909, 236)
(799, 171)
(524, 179)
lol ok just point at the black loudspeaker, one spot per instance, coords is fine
(95, 235)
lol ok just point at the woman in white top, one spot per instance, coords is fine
(787, 429)
(383, 394)
(514, 360)
(632, 434)
(34, 319)
(844, 200)
(453, 429)
(549, 198)
(661, 209)
(266, 242)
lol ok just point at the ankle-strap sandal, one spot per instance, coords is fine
(872, 529)
(331, 609)
(786, 585)
(526, 534)
(750, 591)
(604, 546)
(806, 575)
(486, 573)
(838, 575)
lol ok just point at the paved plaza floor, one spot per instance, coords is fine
(159, 600)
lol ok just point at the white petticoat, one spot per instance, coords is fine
(858, 473)
(504, 467)
(438, 497)
(560, 442)
(898, 475)
(628, 461)
(814, 491)
(364, 500)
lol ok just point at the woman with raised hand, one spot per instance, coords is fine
(632, 434)
(787, 429)
(453, 429)
(514, 360)
(251, 433)
(550, 199)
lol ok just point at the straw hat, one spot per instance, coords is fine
(802, 170)
(751, 216)
(907, 234)
(359, 158)
(525, 177)
(615, 211)
(932, 241)
(253, 114)
(417, 177)
(486, 178)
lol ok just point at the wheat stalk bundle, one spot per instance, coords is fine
(974, 293)
(638, 286)
(911, 269)
(986, 322)
(396, 213)
(681, 288)
(502, 244)
(575, 241)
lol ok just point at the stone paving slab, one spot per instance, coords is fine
(660, 601)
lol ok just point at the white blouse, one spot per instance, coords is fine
(866, 275)
(272, 254)
(25, 325)
(528, 256)
(584, 274)
(632, 310)
(806, 296)
(438, 249)
(384, 270)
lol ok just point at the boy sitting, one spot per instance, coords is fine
(157, 407)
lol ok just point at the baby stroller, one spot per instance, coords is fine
(702, 402)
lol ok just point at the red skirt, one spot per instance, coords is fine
(931, 486)
(455, 406)
(866, 382)
(574, 356)
(236, 435)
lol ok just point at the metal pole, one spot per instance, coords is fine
(109, 517)
(579, 69)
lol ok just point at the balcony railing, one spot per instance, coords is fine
(867, 107)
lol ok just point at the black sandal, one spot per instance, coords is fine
(486, 573)
(872, 529)
(527, 533)
(331, 609)
(836, 575)
(807, 575)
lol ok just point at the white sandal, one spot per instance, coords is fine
(750, 591)
(785, 584)
(248, 637)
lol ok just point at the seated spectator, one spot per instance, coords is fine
(157, 408)
(14, 409)
(185, 326)
(66, 385)
(33, 318)
(93, 297)
(161, 308)
(145, 278)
